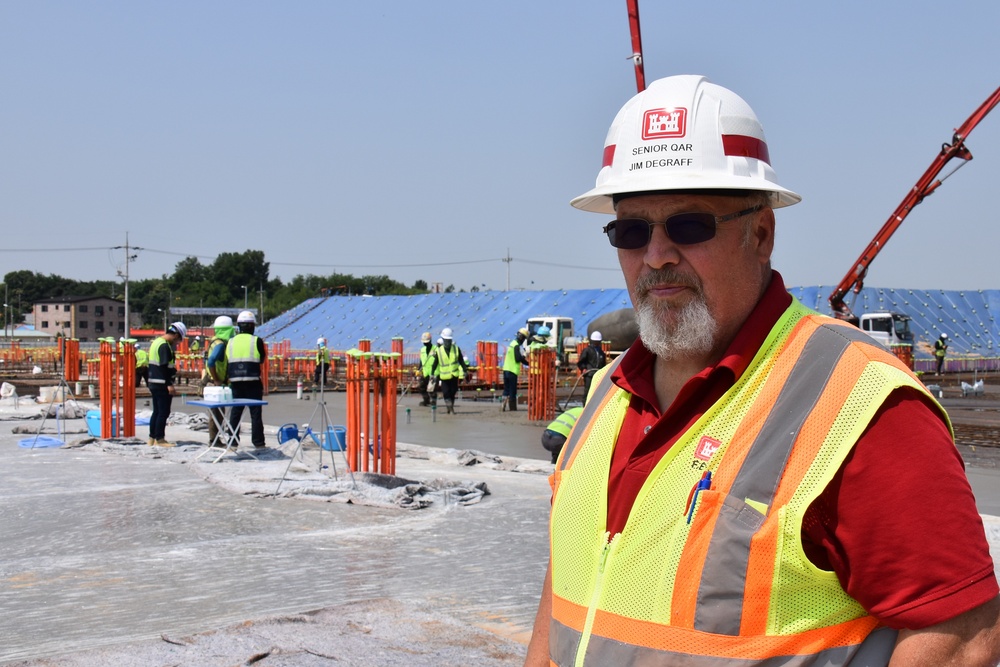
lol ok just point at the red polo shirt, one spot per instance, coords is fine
(898, 523)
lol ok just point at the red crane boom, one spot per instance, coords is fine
(636, 57)
(928, 183)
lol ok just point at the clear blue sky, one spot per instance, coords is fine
(424, 139)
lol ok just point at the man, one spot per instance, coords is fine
(591, 360)
(141, 366)
(513, 360)
(940, 350)
(773, 487)
(245, 357)
(555, 434)
(161, 381)
(196, 346)
(448, 368)
(217, 372)
(322, 362)
(428, 391)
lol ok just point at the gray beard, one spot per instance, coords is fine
(693, 333)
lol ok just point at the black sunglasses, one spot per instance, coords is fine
(683, 228)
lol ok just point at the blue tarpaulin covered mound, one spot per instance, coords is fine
(966, 316)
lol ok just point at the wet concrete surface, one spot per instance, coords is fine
(100, 550)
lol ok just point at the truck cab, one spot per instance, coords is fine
(561, 328)
(892, 330)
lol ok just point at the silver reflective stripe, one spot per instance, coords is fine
(720, 594)
(875, 651)
(590, 411)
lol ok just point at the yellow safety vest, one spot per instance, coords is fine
(564, 423)
(426, 360)
(243, 358)
(448, 366)
(510, 362)
(722, 580)
(161, 362)
(221, 366)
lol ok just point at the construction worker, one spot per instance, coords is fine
(591, 360)
(555, 434)
(216, 373)
(512, 362)
(448, 368)
(540, 339)
(141, 366)
(161, 381)
(322, 361)
(751, 483)
(195, 346)
(428, 388)
(940, 349)
(245, 358)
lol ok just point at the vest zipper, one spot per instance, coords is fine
(588, 626)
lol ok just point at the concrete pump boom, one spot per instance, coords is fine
(928, 183)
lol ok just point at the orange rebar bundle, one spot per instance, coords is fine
(264, 371)
(372, 384)
(487, 352)
(71, 359)
(105, 382)
(126, 380)
(542, 384)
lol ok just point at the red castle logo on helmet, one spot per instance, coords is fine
(659, 123)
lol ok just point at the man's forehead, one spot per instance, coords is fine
(677, 201)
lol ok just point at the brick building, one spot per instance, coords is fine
(86, 318)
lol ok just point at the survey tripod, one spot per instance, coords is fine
(325, 438)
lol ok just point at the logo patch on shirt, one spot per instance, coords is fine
(659, 123)
(706, 448)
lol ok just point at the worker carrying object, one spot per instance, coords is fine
(752, 482)
(449, 366)
(591, 360)
(428, 385)
(940, 349)
(512, 362)
(555, 434)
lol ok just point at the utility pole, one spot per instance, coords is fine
(508, 260)
(128, 259)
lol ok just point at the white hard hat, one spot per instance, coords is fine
(178, 328)
(684, 133)
(446, 333)
(246, 316)
(425, 337)
(321, 341)
(596, 336)
(944, 335)
(222, 321)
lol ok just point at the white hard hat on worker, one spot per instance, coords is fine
(222, 321)
(246, 317)
(684, 133)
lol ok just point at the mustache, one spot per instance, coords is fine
(668, 276)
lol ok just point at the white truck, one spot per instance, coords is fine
(887, 328)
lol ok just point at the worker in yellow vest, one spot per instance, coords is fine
(245, 359)
(513, 360)
(161, 381)
(555, 434)
(428, 386)
(322, 362)
(751, 483)
(141, 366)
(216, 373)
(448, 367)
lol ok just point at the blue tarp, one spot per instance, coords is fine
(966, 316)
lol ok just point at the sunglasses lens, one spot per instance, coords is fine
(690, 228)
(628, 233)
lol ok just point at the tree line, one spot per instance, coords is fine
(228, 282)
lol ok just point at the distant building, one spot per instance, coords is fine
(86, 318)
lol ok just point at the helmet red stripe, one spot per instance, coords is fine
(738, 145)
(609, 156)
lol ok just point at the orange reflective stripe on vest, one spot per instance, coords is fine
(728, 583)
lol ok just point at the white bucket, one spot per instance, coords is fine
(51, 394)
